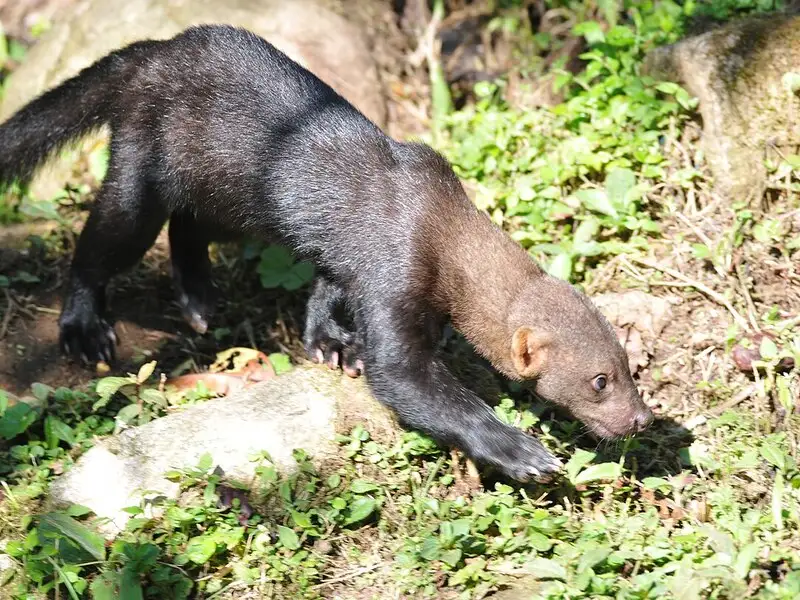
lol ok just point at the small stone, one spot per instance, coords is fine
(302, 409)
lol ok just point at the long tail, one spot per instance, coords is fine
(65, 113)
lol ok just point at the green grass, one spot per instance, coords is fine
(710, 509)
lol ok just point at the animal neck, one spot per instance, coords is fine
(481, 272)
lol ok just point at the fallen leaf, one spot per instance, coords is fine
(639, 319)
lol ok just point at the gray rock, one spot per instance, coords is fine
(310, 32)
(7, 566)
(303, 409)
(741, 74)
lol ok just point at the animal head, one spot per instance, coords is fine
(570, 355)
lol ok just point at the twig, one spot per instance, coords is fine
(346, 576)
(701, 236)
(734, 401)
(716, 296)
(751, 307)
(45, 309)
(9, 314)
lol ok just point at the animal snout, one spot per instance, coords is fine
(642, 419)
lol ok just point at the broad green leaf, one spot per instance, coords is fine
(430, 549)
(288, 538)
(106, 586)
(451, 557)
(16, 420)
(589, 248)
(56, 430)
(359, 486)
(667, 87)
(298, 276)
(597, 200)
(271, 279)
(587, 230)
(41, 391)
(579, 459)
(620, 36)
(745, 558)
(620, 184)
(130, 587)
(653, 483)
(360, 509)
(200, 549)
(40, 209)
(538, 541)
(605, 471)
(610, 10)
(64, 525)
(561, 266)
(128, 413)
(768, 350)
(591, 557)
(78, 510)
(107, 387)
(773, 454)
(591, 31)
(793, 160)
(281, 363)
(544, 568)
(154, 397)
(205, 462)
(275, 258)
(302, 520)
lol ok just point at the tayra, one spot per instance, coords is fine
(222, 134)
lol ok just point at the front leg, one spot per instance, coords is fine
(405, 374)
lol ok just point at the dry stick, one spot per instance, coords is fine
(740, 397)
(716, 296)
(751, 307)
(9, 314)
(346, 576)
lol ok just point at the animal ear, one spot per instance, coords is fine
(529, 351)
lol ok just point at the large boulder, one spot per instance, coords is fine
(303, 409)
(309, 31)
(745, 75)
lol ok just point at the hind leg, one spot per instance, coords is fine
(326, 339)
(122, 226)
(191, 270)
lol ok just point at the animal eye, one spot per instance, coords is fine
(599, 383)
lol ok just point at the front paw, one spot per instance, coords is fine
(515, 454)
(343, 350)
(87, 337)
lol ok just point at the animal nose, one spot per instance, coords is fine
(643, 419)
